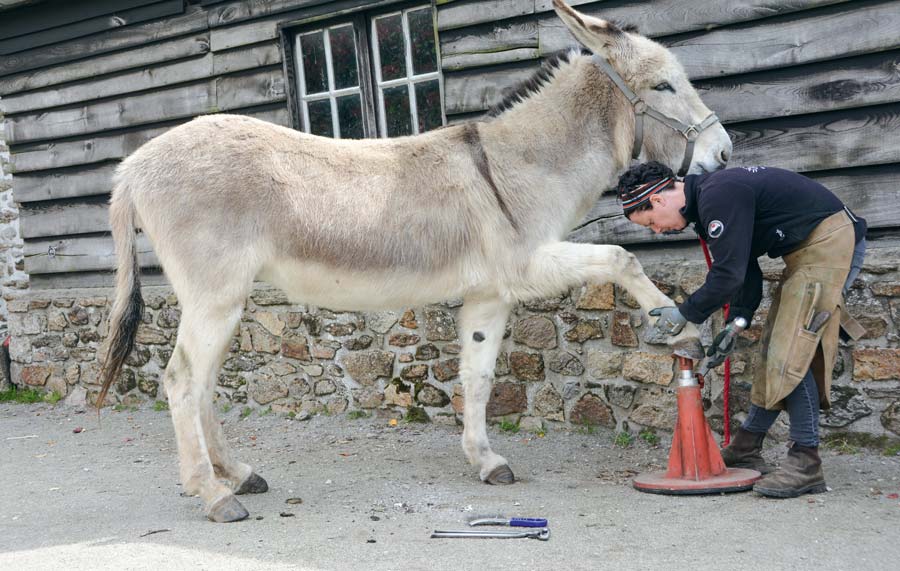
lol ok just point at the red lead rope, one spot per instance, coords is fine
(726, 390)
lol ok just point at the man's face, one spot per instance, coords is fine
(663, 216)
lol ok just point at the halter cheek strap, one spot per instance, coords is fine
(690, 132)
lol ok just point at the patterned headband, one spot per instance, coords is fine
(643, 193)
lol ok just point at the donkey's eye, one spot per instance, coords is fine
(664, 86)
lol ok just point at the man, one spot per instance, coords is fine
(743, 213)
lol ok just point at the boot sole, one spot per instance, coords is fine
(764, 469)
(819, 488)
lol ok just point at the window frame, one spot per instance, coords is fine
(331, 94)
(410, 79)
(361, 14)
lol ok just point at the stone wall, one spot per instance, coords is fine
(577, 359)
(12, 276)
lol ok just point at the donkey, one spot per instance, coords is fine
(226, 200)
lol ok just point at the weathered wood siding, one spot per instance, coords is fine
(82, 88)
(811, 85)
(808, 85)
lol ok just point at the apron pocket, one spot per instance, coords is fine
(803, 349)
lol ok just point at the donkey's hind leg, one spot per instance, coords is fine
(203, 336)
(241, 476)
(482, 322)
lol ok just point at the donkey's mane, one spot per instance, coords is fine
(541, 77)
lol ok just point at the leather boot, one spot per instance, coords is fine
(800, 473)
(744, 451)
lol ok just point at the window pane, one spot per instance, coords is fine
(350, 117)
(320, 118)
(396, 111)
(312, 46)
(421, 33)
(428, 105)
(343, 57)
(391, 47)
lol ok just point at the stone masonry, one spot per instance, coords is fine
(12, 275)
(578, 359)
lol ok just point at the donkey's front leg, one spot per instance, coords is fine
(558, 266)
(482, 323)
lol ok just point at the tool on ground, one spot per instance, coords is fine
(732, 330)
(818, 321)
(543, 534)
(695, 462)
(510, 521)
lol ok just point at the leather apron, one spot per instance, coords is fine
(811, 283)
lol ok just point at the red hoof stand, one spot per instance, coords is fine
(695, 463)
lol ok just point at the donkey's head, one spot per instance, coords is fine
(672, 125)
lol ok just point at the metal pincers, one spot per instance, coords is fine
(543, 534)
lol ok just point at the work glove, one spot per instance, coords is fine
(720, 350)
(670, 321)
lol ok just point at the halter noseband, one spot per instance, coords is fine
(690, 132)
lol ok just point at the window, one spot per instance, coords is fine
(369, 75)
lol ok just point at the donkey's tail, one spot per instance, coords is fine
(128, 306)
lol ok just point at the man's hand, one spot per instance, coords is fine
(723, 344)
(670, 321)
(720, 349)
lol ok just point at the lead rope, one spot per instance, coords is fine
(726, 389)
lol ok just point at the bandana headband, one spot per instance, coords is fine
(644, 192)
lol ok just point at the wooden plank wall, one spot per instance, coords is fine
(805, 84)
(808, 85)
(81, 94)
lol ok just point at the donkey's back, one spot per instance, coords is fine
(315, 216)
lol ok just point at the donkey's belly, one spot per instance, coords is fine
(334, 288)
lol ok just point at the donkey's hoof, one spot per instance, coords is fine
(501, 475)
(227, 510)
(255, 484)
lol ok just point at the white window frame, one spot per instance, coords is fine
(331, 93)
(362, 20)
(411, 79)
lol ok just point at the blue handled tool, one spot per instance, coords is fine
(511, 521)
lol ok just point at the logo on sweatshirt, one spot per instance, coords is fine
(715, 229)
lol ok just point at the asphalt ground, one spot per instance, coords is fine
(107, 497)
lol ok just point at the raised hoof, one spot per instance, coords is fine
(501, 475)
(227, 510)
(255, 484)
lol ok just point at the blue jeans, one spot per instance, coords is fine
(803, 402)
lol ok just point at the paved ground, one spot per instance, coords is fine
(108, 497)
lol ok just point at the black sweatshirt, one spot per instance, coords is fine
(744, 213)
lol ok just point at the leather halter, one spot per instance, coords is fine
(690, 132)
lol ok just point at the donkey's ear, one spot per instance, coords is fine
(598, 35)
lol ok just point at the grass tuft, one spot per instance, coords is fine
(507, 426)
(649, 436)
(624, 439)
(26, 396)
(416, 414)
